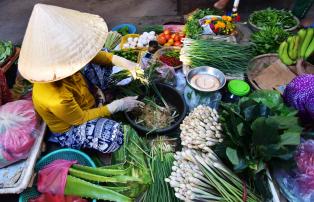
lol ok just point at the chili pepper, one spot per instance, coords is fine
(170, 61)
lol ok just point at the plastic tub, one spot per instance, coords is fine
(132, 28)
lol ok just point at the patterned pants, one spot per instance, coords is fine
(101, 134)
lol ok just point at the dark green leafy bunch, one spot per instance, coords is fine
(6, 50)
(192, 26)
(269, 39)
(273, 18)
(259, 130)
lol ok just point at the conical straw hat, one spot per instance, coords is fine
(58, 42)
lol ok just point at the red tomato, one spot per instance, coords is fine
(177, 43)
(167, 36)
(166, 31)
(177, 38)
(173, 35)
(161, 40)
(162, 34)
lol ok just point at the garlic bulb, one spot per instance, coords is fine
(201, 129)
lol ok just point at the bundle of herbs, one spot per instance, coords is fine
(273, 18)
(6, 50)
(230, 58)
(113, 39)
(259, 130)
(192, 27)
(268, 40)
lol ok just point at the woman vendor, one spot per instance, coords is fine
(57, 49)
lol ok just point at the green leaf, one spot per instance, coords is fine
(290, 138)
(265, 131)
(240, 129)
(270, 98)
(232, 156)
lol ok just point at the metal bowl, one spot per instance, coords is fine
(209, 71)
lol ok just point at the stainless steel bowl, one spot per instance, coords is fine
(209, 71)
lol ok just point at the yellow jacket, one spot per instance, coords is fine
(69, 104)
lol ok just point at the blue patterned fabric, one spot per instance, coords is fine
(101, 134)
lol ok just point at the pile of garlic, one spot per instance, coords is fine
(141, 41)
(200, 129)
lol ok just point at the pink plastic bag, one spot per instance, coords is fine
(17, 131)
(52, 178)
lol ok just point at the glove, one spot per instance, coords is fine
(124, 104)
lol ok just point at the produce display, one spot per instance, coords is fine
(269, 39)
(171, 58)
(113, 39)
(193, 28)
(230, 143)
(141, 41)
(131, 55)
(273, 18)
(300, 46)
(6, 50)
(203, 177)
(231, 59)
(170, 39)
(201, 129)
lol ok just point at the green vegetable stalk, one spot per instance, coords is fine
(77, 187)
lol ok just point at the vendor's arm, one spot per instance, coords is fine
(70, 112)
(104, 58)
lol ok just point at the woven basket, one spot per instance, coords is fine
(162, 51)
(261, 62)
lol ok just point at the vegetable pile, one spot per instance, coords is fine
(113, 39)
(259, 129)
(123, 30)
(170, 39)
(171, 58)
(200, 129)
(126, 178)
(298, 47)
(127, 54)
(232, 59)
(203, 177)
(192, 27)
(269, 39)
(6, 50)
(141, 41)
(272, 18)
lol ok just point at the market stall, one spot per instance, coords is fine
(221, 115)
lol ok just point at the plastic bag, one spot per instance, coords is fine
(17, 131)
(298, 184)
(52, 178)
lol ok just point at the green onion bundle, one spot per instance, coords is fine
(113, 39)
(230, 58)
(203, 177)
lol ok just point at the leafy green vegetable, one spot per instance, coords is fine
(6, 50)
(273, 18)
(156, 28)
(269, 39)
(123, 30)
(192, 27)
(230, 58)
(127, 54)
(258, 129)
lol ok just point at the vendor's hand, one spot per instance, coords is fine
(124, 104)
